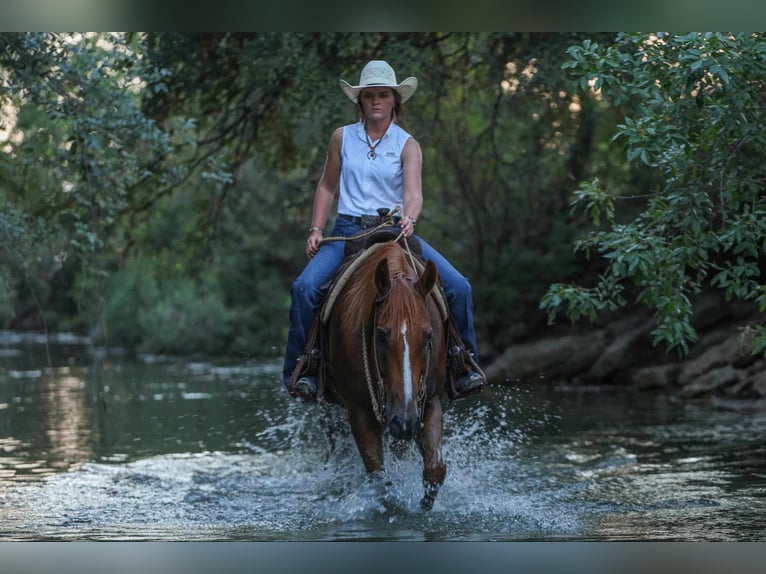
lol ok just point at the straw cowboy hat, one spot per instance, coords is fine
(378, 73)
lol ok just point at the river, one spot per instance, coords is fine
(98, 446)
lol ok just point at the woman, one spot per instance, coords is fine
(374, 163)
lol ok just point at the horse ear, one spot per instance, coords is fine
(382, 279)
(427, 279)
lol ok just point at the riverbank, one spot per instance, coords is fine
(615, 352)
(719, 367)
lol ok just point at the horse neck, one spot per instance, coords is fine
(403, 306)
(401, 301)
(398, 265)
(360, 296)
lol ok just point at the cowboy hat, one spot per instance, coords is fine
(378, 73)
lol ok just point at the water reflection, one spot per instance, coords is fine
(109, 448)
(70, 420)
(47, 423)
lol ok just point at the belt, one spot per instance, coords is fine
(366, 221)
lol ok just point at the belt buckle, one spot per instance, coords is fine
(367, 221)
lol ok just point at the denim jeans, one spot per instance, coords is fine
(306, 294)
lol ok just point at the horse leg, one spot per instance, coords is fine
(329, 431)
(368, 437)
(369, 440)
(430, 443)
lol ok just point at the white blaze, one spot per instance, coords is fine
(406, 368)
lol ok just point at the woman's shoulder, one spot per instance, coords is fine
(402, 134)
(337, 134)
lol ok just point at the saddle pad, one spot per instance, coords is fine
(345, 272)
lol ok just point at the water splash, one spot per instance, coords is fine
(287, 483)
(253, 464)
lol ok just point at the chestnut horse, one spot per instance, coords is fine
(386, 360)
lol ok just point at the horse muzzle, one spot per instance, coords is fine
(403, 425)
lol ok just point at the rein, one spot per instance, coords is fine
(387, 222)
(378, 399)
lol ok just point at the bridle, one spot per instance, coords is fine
(375, 387)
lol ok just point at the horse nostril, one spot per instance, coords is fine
(402, 427)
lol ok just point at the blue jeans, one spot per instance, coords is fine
(307, 294)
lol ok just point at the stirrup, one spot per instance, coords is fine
(465, 376)
(306, 388)
(469, 383)
(304, 380)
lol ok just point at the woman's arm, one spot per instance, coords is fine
(325, 192)
(412, 166)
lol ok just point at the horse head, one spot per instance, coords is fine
(403, 344)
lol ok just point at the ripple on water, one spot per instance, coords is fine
(512, 475)
(282, 485)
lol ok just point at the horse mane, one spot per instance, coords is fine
(360, 293)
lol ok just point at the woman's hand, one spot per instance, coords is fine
(312, 243)
(407, 223)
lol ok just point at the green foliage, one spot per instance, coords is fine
(695, 115)
(81, 156)
(179, 317)
(594, 201)
(503, 136)
(175, 173)
(175, 315)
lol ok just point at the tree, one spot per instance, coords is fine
(177, 171)
(694, 115)
(81, 153)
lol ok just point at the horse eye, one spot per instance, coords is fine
(382, 336)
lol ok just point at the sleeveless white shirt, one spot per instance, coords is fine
(369, 183)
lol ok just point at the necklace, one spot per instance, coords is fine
(371, 154)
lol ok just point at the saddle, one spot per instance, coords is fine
(358, 247)
(363, 240)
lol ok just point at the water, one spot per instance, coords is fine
(102, 447)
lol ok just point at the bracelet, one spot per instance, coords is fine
(412, 219)
(312, 229)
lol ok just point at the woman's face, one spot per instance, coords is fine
(377, 103)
